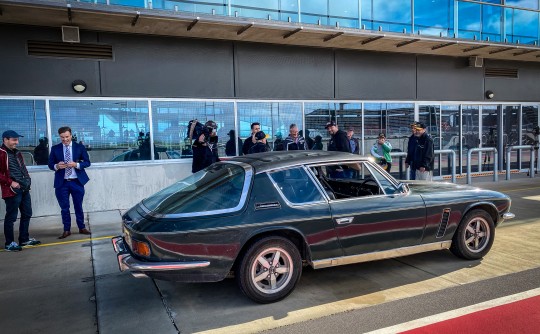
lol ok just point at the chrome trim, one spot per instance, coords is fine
(126, 262)
(508, 215)
(345, 220)
(388, 254)
(245, 190)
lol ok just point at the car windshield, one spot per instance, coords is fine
(218, 187)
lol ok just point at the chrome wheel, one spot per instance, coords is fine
(477, 235)
(271, 271)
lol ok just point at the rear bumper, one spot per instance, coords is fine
(138, 268)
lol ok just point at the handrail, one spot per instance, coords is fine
(402, 154)
(31, 157)
(509, 150)
(453, 154)
(495, 161)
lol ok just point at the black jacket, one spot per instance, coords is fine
(289, 144)
(411, 147)
(424, 154)
(339, 142)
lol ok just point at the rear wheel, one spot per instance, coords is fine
(474, 236)
(269, 270)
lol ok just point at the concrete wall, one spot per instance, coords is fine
(111, 186)
(157, 66)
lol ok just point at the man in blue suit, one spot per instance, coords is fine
(68, 161)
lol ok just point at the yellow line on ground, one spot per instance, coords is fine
(66, 242)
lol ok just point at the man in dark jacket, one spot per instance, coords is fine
(424, 154)
(294, 141)
(250, 141)
(338, 141)
(411, 147)
(353, 141)
(230, 147)
(260, 145)
(15, 184)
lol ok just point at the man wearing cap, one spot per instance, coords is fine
(381, 151)
(424, 154)
(294, 141)
(230, 147)
(411, 147)
(68, 160)
(278, 143)
(15, 184)
(338, 141)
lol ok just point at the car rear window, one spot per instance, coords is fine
(218, 187)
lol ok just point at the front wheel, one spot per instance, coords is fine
(474, 236)
(269, 270)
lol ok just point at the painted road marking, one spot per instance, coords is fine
(457, 313)
(533, 198)
(66, 242)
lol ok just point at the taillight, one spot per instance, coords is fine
(140, 248)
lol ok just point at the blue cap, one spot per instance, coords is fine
(10, 134)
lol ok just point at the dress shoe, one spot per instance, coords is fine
(84, 231)
(65, 235)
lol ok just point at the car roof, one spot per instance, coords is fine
(265, 161)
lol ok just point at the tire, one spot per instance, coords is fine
(254, 274)
(474, 236)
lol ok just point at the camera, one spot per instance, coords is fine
(197, 129)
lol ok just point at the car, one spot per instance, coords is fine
(260, 218)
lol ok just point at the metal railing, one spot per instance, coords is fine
(495, 167)
(509, 150)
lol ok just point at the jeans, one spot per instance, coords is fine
(22, 202)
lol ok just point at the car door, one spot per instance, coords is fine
(370, 212)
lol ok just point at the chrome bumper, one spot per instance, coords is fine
(508, 215)
(126, 262)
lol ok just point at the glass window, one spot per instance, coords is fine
(392, 15)
(256, 8)
(393, 119)
(469, 16)
(296, 186)
(450, 140)
(316, 116)
(492, 23)
(274, 117)
(27, 118)
(430, 116)
(171, 119)
(433, 17)
(528, 128)
(531, 4)
(521, 25)
(110, 130)
(388, 187)
(218, 187)
(347, 180)
(205, 7)
(319, 7)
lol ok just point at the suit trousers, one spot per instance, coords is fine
(23, 202)
(76, 190)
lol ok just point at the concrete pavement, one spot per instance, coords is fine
(73, 285)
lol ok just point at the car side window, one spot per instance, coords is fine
(296, 186)
(388, 187)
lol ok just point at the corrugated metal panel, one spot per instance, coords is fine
(491, 72)
(67, 50)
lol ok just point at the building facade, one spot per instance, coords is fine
(468, 69)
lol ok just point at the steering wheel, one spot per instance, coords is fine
(366, 181)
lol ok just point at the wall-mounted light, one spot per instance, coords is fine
(78, 86)
(490, 94)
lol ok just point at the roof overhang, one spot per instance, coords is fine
(100, 17)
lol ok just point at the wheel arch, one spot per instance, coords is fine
(487, 207)
(290, 234)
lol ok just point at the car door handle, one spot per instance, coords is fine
(345, 220)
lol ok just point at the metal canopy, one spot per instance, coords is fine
(111, 18)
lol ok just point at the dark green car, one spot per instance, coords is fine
(260, 218)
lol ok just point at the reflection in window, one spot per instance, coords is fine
(469, 15)
(171, 119)
(393, 119)
(471, 134)
(392, 15)
(521, 25)
(450, 126)
(27, 118)
(529, 122)
(434, 17)
(430, 116)
(274, 117)
(205, 7)
(316, 116)
(110, 130)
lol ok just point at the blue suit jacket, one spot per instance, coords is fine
(80, 155)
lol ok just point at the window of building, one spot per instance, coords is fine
(434, 17)
(274, 117)
(391, 15)
(171, 120)
(27, 118)
(112, 130)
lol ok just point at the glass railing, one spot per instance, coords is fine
(465, 19)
